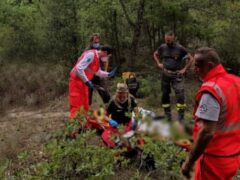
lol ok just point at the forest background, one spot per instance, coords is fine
(45, 37)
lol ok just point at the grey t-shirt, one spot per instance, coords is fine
(208, 108)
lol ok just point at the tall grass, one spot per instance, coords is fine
(31, 84)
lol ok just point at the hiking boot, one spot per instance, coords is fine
(168, 113)
(181, 115)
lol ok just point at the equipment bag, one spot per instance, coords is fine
(133, 84)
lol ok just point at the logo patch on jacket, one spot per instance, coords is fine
(203, 108)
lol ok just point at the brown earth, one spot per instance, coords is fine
(27, 129)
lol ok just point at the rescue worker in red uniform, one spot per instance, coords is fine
(80, 77)
(216, 132)
(96, 80)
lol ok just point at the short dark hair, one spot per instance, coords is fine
(170, 33)
(107, 48)
(92, 37)
(209, 55)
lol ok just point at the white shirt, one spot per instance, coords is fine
(84, 63)
(208, 108)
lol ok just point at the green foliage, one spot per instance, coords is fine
(86, 158)
(191, 87)
(167, 156)
(18, 28)
(59, 30)
(3, 168)
(150, 88)
(145, 87)
(23, 156)
(78, 158)
(61, 20)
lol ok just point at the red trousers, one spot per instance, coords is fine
(216, 168)
(78, 96)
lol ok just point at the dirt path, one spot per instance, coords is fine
(27, 130)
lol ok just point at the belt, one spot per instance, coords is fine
(171, 72)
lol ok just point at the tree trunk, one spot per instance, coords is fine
(115, 36)
(147, 29)
(136, 35)
(151, 32)
(136, 31)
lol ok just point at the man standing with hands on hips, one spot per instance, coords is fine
(81, 75)
(170, 58)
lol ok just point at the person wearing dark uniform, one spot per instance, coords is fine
(170, 58)
(102, 90)
(122, 105)
(120, 110)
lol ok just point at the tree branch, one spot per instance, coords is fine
(126, 14)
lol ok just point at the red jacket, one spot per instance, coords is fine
(91, 69)
(226, 89)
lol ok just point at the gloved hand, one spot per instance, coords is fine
(113, 123)
(134, 124)
(112, 73)
(89, 84)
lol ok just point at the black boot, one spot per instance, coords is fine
(181, 115)
(168, 113)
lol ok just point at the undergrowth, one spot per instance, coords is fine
(86, 157)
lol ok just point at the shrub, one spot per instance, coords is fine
(167, 157)
(87, 157)
(146, 87)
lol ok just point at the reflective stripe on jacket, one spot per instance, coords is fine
(226, 89)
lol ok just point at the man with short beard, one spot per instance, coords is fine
(170, 58)
(216, 131)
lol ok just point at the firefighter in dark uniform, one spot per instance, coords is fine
(173, 60)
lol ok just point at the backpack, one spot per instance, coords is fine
(133, 84)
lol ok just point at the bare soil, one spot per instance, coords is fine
(28, 129)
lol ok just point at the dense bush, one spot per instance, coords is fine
(167, 156)
(146, 87)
